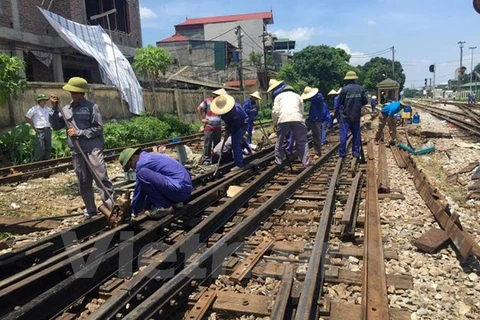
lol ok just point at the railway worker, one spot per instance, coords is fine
(474, 98)
(236, 120)
(351, 100)
(287, 114)
(227, 152)
(161, 182)
(38, 117)
(316, 117)
(251, 108)
(388, 115)
(373, 103)
(326, 123)
(212, 125)
(85, 125)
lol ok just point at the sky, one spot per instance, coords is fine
(423, 32)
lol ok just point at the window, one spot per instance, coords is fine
(119, 21)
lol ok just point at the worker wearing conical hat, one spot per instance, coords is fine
(212, 128)
(287, 114)
(235, 118)
(315, 118)
(251, 108)
(351, 100)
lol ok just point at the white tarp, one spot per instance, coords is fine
(95, 42)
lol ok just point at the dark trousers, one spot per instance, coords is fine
(354, 128)
(212, 138)
(316, 128)
(43, 144)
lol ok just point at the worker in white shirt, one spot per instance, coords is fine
(38, 117)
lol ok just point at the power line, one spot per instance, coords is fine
(366, 55)
(251, 39)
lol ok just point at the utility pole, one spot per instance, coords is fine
(240, 57)
(461, 44)
(434, 74)
(471, 69)
(265, 77)
(393, 62)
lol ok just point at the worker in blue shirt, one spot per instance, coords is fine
(236, 120)
(373, 103)
(251, 109)
(388, 115)
(315, 118)
(160, 183)
(351, 100)
(326, 123)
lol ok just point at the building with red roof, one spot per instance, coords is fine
(214, 42)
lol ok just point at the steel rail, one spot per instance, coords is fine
(24, 257)
(154, 276)
(313, 284)
(452, 119)
(164, 300)
(374, 281)
(78, 284)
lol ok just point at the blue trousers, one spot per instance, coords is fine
(354, 128)
(324, 132)
(237, 136)
(249, 131)
(160, 190)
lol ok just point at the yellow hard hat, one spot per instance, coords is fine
(351, 75)
(76, 84)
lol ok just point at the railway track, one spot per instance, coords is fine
(277, 227)
(466, 120)
(51, 262)
(46, 168)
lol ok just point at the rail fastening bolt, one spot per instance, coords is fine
(119, 316)
(173, 303)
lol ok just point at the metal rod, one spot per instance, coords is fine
(89, 165)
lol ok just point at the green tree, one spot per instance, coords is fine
(152, 61)
(256, 59)
(411, 93)
(290, 76)
(477, 68)
(377, 70)
(11, 80)
(323, 67)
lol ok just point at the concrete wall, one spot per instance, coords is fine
(252, 28)
(172, 101)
